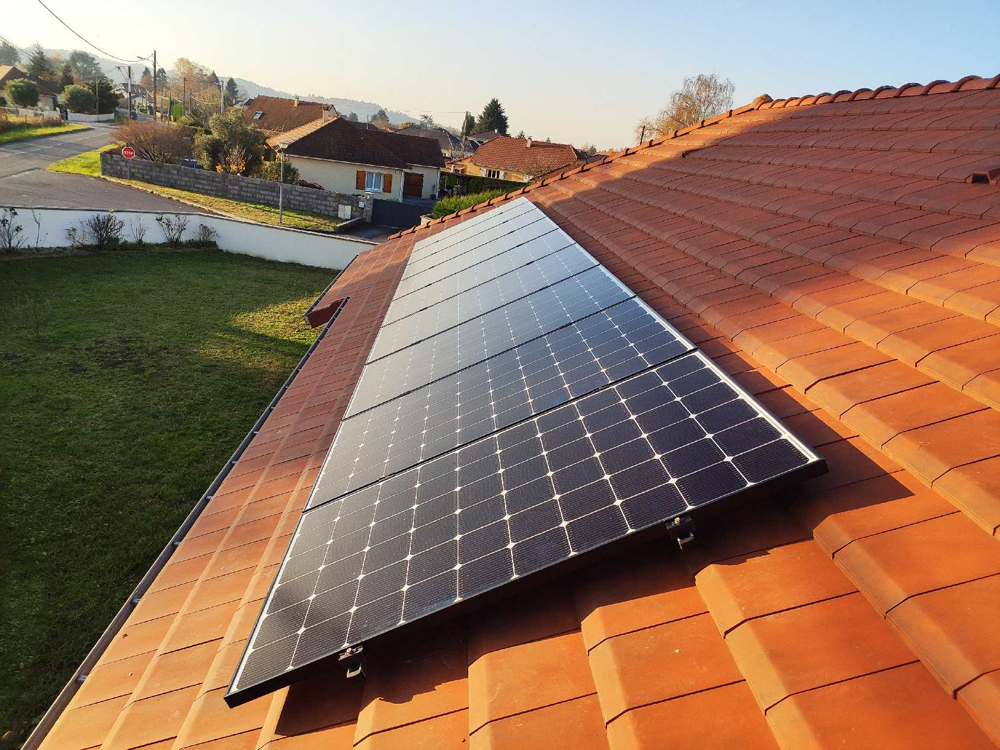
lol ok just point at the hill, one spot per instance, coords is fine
(362, 109)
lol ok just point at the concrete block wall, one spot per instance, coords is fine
(235, 187)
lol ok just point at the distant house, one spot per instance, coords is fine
(348, 159)
(478, 139)
(451, 145)
(47, 98)
(517, 159)
(275, 114)
(141, 96)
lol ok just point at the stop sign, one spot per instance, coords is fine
(128, 152)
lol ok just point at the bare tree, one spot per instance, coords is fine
(700, 98)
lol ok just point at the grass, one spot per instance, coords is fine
(88, 163)
(239, 210)
(126, 381)
(23, 134)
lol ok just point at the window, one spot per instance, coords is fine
(494, 174)
(373, 182)
(257, 115)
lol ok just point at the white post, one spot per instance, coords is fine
(281, 191)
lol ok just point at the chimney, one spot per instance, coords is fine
(326, 114)
(296, 102)
(529, 142)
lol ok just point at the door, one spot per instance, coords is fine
(413, 185)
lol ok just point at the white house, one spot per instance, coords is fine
(345, 159)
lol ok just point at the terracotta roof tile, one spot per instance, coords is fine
(829, 253)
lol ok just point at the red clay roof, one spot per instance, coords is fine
(279, 114)
(524, 156)
(831, 255)
(340, 140)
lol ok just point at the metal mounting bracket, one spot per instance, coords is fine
(355, 661)
(681, 530)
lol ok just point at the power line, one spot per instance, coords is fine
(19, 49)
(85, 41)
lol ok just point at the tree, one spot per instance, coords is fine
(520, 134)
(427, 121)
(85, 64)
(492, 118)
(66, 79)
(353, 117)
(468, 124)
(147, 79)
(38, 64)
(232, 92)
(107, 99)
(380, 119)
(406, 125)
(22, 92)
(272, 171)
(78, 98)
(232, 146)
(700, 98)
(9, 54)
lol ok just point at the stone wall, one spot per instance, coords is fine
(234, 187)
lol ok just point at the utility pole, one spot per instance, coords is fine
(222, 98)
(97, 99)
(281, 185)
(184, 96)
(154, 85)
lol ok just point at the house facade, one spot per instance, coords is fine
(47, 98)
(346, 159)
(517, 159)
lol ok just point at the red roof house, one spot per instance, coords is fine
(839, 256)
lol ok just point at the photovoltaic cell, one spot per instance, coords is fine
(468, 270)
(515, 228)
(496, 393)
(646, 450)
(520, 407)
(490, 295)
(486, 336)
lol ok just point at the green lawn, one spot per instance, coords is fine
(23, 134)
(126, 381)
(88, 163)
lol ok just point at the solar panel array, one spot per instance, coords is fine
(520, 407)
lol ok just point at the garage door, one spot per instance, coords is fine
(413, 185)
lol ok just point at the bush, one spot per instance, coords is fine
(10, 231)
(78, 99)
(102, 231)
(22, 92)
(447, 206)
(272, 171)
(173, 229)
(155, 141)
(232, 146)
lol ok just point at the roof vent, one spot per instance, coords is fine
(529, 142)
(296, 102)
(984, 177)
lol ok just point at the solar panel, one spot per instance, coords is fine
(654, 447)
(500, 391)
(487, 296)
(469, 269)
(530, 222)
(520, 407)
(486, 336)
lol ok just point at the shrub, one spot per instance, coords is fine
(232, 146)
(78, 99)
(207, 237)
(10, 231)
(272, 171)
(447, 206)
(173, 229)
(3, 101)
(156, 141)
(22, 92)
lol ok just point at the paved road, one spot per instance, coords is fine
(24, 181)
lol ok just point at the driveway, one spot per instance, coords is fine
(24, 181)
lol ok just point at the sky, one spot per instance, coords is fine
(581, 72)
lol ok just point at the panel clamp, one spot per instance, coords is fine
(355, 660)
(681, 530)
